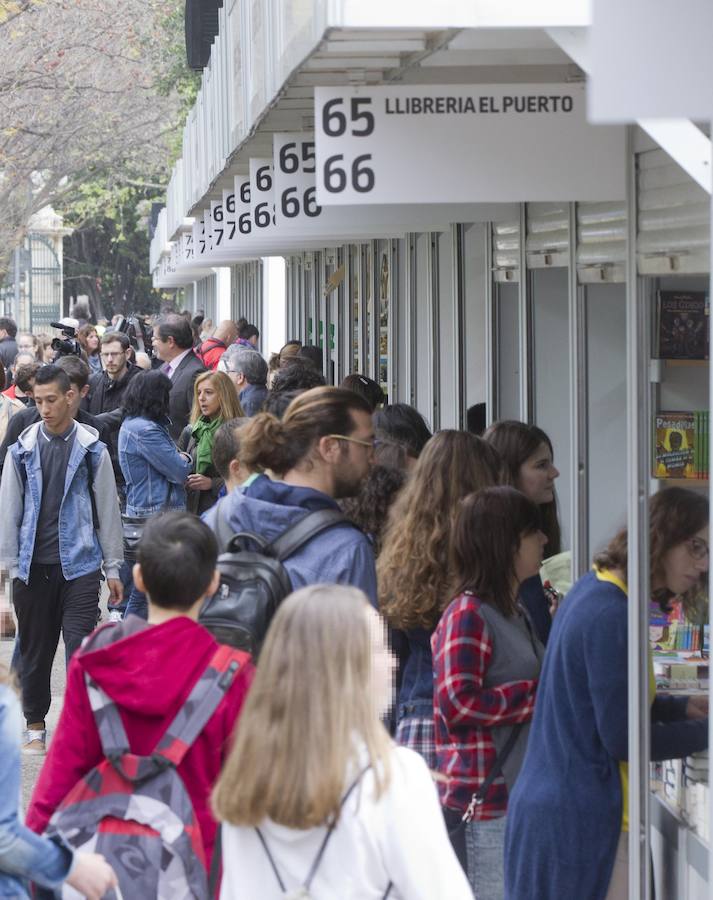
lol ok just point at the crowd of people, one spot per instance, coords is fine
(421, 714)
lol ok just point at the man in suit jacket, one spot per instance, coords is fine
(173, 344)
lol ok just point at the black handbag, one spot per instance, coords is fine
(133, 528)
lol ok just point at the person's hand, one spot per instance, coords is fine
(116, 591)
(92, 876)
(199, 483)
(697, 707)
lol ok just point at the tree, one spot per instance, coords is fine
(88, 97)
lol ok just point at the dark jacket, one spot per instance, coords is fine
(339, 555)
(180, 400)
(415, 696)
(566, 806)
(199, 502)
(533, 598)
(107, 395)
(252, 398)
(8, 352)
(21, 420)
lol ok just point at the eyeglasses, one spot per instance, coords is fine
(697, 548)
(343, 437)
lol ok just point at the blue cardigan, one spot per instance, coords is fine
(564, 814)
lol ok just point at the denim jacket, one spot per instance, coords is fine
(153, 468)
(413, 647)
(24, 855)
(81, 547)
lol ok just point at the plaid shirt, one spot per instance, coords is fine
(465, 710)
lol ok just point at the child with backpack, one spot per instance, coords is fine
(316, 799)
(148, 714)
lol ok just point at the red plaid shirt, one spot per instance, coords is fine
(465, 710)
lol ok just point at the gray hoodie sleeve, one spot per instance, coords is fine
(110, 533)
(12, 492)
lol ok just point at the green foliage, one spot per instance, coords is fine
(107, 256)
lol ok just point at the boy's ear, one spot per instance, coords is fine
(214, 585)
(138, 578)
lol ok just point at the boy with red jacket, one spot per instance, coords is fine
(149, 669)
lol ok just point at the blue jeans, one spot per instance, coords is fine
(137, 605)
(484, 841)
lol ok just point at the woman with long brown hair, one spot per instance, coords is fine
(315, 799)
(413, 570)
(528, 465)
(215, 400)
(569, 807)
(486, 662)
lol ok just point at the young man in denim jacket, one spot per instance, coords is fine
(54, 538)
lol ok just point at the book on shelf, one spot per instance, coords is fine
(682, 325)
(676, 435)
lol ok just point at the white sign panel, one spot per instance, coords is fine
(650, 59)
(295, 186)
(243, 208)
(463, 144)
(262, 195)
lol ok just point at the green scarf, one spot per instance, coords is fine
(204, 433)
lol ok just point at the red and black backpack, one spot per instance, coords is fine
(135, 810)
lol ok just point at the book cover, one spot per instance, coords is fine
(682, 325)
(674, 442)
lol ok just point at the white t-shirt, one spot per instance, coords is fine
(400, 838)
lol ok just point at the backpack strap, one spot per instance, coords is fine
(309, 526)
(323, 846)
(202, 702)
(92, 498)
(191, 719)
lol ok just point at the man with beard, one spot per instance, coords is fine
(321, 450)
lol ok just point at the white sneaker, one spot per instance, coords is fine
(34, 743)
(115, 615)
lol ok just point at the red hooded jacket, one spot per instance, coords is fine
(210, 352)
(149, 674)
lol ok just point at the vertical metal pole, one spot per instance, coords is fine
(15, 312)
(490, 332)
(524, 323)
(411, 282)
(434, 293)
(347, 323)
(459, 347)
(392, 332)
(638, 463)
(579, 516)
(363, 308)
(375, 319)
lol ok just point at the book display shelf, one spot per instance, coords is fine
(680, 642)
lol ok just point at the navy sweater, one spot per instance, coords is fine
(564, 814)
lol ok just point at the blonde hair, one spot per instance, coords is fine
(312, 695)
(230, 407)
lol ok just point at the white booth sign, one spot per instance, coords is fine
(262, 201)
(463, 144)
(650, 59)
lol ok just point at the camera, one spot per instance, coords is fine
(70, 346)
(138, 333)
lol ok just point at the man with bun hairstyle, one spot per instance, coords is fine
(321, 450)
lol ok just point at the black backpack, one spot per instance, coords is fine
(253, 582)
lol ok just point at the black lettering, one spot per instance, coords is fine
(520, 104)
(441, 105)
(451, 104)
(469, 105)
(416, 106)
(387, 107)
(507, 103)
(483, 104)
(542, 104)
(428, 104)
(567, 104)
(532, 104)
